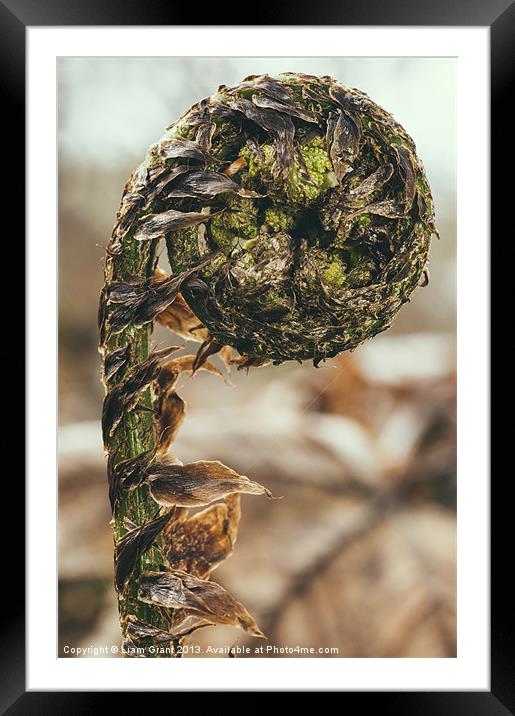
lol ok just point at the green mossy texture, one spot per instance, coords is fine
(327, 231)
(135, 435)
(352, 255)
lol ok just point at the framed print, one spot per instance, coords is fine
(257, 285)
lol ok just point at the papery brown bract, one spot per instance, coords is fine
(171, 370)
(162, 177)
(180, 319)
(200, 543)
(279, 124)
(203, 185)
(343, 135)
(236, 166)
(284, 106)
(124, 396)
(204, 599)
(184, 149)
(172, 411)
(208, 348)
(130, 548)
(115, 361)
(154, 226)
(140, 631)
(196, 484)
(245, 362)
(131, 472)
(169, 406)
(139, 301)
(101, 317)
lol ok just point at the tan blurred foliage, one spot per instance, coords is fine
(360, 552)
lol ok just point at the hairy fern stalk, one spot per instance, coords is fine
(297, 219)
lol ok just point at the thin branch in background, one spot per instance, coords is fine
(375, 514)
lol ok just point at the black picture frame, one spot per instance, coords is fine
(499, 15)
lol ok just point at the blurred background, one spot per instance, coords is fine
(360, 553)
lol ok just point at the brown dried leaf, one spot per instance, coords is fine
(171, 416)
(205, 540)
(198, 114)
(139, 630)
(139, 301)
(115, 361)
(161, 178)
(130, 548)
(171, 370)
(226, 354)
(407, 170)
(246, 361)
(294, 110)
(343, 135)
(265, 84)
(155, 226)
(169, 406)
(205, 134)
(203, 185)
(206, 600)
(197, 483)
(126, 394)
(349, 99)
(272, 121)
(424, 279)
(208, 348)
(102, 314)
(235, 166)
(184, 149)
(389, 208)
(368, 186)
(179, 318)
(130, 472)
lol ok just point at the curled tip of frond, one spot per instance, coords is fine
(304, 162)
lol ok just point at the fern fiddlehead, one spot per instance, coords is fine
(297, 219)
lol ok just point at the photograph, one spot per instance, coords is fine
(257, 357)
(257, 364)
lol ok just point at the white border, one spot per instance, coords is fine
(470, 670)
